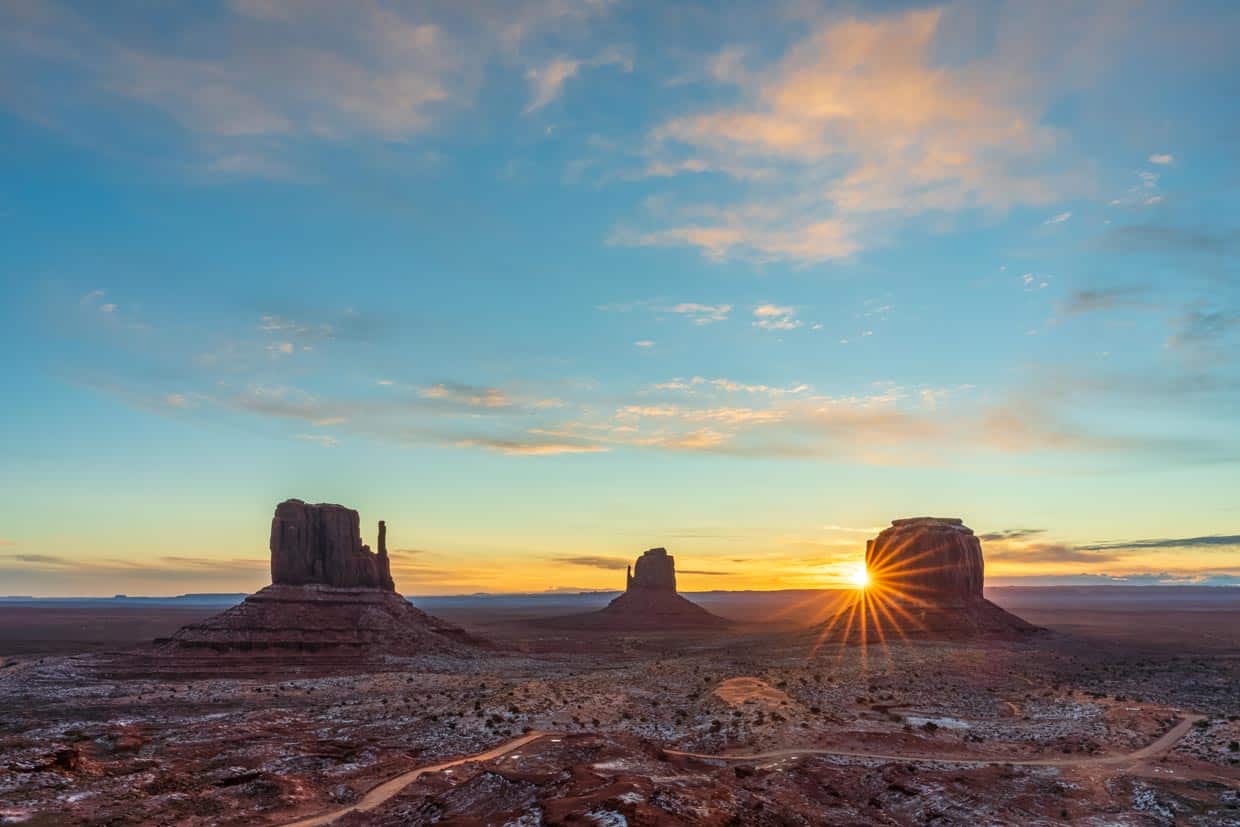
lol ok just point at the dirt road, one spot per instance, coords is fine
(1153, 750)
(394, 785)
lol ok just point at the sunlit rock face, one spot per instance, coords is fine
(323, 544)
(925, 581)
(930, 560)
(655, 569)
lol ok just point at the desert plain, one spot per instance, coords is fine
(1125, 711)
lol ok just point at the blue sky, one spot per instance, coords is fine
(545, 284)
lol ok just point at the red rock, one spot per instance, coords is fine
(323, 544)
(655, 569)
(329, 593)
(649, 602)
(935, 560)
(926, 576)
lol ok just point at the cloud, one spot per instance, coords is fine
(1049, 553)
(701, 314)
(46, 559)
(547, 81)
(324, 440)
(1202, 328)
(644, 343)
(1139, 578)
(774, 317)
(1058, 219)
(1099, 299)
(736, 235)
(855, 125)
(468, 395)
(1162, 158)
(1207, 541)
(706, 573)
(609, 563)
(1010, 534)
(1168, 238)
(249, 85)
(696, 384)
(531, 447)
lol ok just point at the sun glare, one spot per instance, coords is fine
(860, 576)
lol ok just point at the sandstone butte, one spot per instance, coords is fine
(329, 593)
(926, 577)
(650, 601)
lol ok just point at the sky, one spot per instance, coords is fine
(545, 284)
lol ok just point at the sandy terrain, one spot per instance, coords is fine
(1086, 725)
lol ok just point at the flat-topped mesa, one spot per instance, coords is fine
(927, 560)
(323, 544)
(655, 569)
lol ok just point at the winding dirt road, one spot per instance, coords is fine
(394, 785)
(1153, 750)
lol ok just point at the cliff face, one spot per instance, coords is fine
(323, 544)
(926, 577)
(929, 560)
(655, 569)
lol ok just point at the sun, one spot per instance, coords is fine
(859, 576)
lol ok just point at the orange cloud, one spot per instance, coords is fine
(855, 119)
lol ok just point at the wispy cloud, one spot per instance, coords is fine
(1162, 158)
(469, 395)
(594, 561)
(1010, 534)
(249, 85)
(532, 447)
(547, 81)
(775, 317)
(701, 314)
(1099, 299)
(1207, 541)
(324, 440)
(856, 123)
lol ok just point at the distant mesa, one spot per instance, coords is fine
(649, 601)
(925, 580)
(328, 593)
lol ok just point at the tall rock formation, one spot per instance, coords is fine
(935, 559)
(649, 602)
(328, 593)
(323, 544)
(925, 581)
(655, 569)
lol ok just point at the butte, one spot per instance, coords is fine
(329, 595)
(649, 602)
(925, 581)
